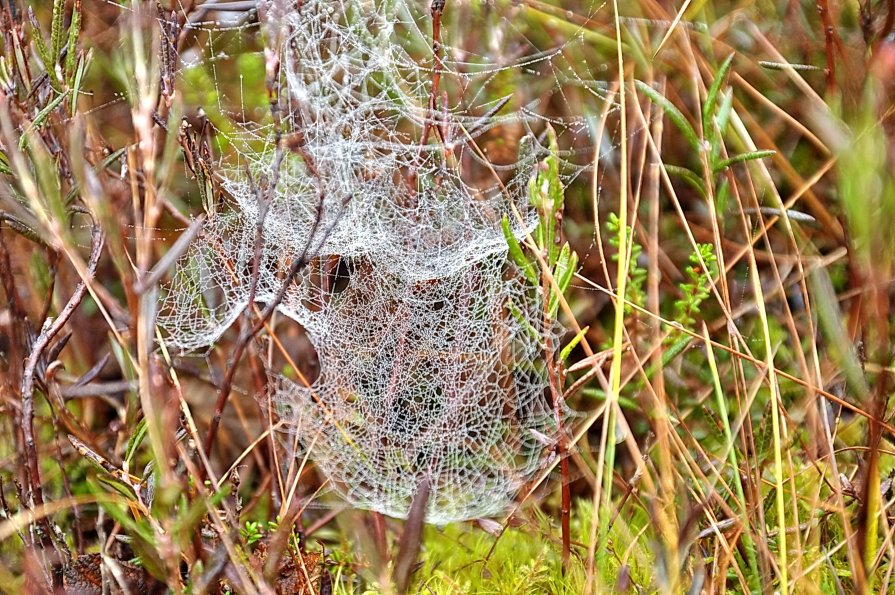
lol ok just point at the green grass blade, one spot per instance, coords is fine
(689, 177)
(524, 264)
(74, 30)
(567, 350)
(56, 36)
(674, 114)
(40, 117)
(134, 442)
(742, 158)
(708, 108)
(731, 448)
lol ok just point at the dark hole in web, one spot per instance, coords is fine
(339, 276)
(327, 276)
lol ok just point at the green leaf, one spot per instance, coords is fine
(135, 528)
(565, 267)
(742, 157)
(135, 440)
(567, 350)
(688, 176)
(525, 265)
(129, 372)
(41, 116)
(46, 173)
(56, 32)
(554, 184)
(547, 195)
(674, 114)
(600, 395)
(73, 31)
(535, 194)
(78, 79)
(188, 520)
(142, 538)
(711, 98)
(23, 229)
(566, 264)
(116, 484)
(523, 320)
(723, 116)
(113, 157)
(676, 348)
(43, 52)
(722, 198)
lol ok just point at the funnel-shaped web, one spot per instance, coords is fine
(432, 379)
(431, 346)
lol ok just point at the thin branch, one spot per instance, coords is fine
(297, 265)
(437, 10)
(411, 538)
(831, 42)
(50, 330)
(264, 199)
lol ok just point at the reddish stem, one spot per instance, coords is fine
(28, 376)
(437, 10)
(830, 40)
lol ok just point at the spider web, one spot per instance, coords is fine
(432, 347)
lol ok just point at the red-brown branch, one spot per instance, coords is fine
(35, 358)
(831, 42)
(437, 10)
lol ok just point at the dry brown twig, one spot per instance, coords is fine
(51, 328)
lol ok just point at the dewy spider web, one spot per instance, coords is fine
(431, 347)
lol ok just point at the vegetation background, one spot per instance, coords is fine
(734, 374)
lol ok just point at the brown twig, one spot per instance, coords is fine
(264, 196)
(556, 374)
(562, 452)
(16, 310)
(380, 538)
(297, 264)
(831, 41)
(50, 330)
(170, 27)
(411, 538)
(437, 10)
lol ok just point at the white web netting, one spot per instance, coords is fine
(431, 347)
(425, 379)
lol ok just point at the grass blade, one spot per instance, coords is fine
(673, 113)
(708, 108)
(742, 158)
